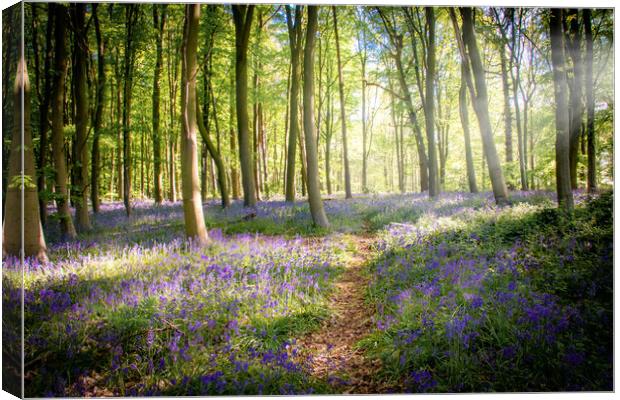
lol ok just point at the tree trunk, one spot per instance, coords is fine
(363, 59)
(131, 13)
(589, 85)
(575, 101)
(159, 22)
(242, 15)
(80, 54)
(343, 120)
(312, 176)
(562, 123)
(234, 174)
(429, 106)
(101, 81)
(471, 172)
(21, 213)
(506, 97)
(119, 136)
(294, 34)
(217, 158)
(195, 228)
(481, 107)
(43, 118)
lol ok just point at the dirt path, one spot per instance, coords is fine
(334, 356)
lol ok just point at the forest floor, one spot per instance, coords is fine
(403, 294)
(336, 357)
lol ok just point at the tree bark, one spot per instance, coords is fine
(562, 123)
(131, 12)
(469, 159)
(343, 120)
(159, 23)
(234, 174)
(589, 86)
(506, 97)
(217, 158)
(429, 105)
(481, 107)
(295, 37)
(80, 54)
(195, 228)
(312, 178)
(43, 118)
(98, 119)
(575, 101)
(242, 16)
(21, 213)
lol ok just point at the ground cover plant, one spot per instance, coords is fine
(497, 299)
(129, 309)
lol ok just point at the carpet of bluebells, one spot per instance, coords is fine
(472, 297)
(468, 297)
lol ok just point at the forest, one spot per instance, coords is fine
(206, 199)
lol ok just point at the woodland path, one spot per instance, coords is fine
(335, 357)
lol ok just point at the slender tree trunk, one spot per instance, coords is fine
(312, 177)
(520, 132)
(481, 106)
(43, 118)
(118, 124)
(242, 15)
(575, 101)
(21, 213)
(433, 184)
(422, 158)
(159, 22)
(217, 158)
(364, 127)
(234, 174)
(562, 122)
(471, 172)
(589, 85)
(302, 163)
(343, 120)
(131, 11)
(195, 228)
(98, 120)
(80, 54)
(506, 97)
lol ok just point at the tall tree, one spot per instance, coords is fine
(562, 122)
(396, 39)
(589, 86)
(80, 90)
(131, 18)
(67, 230)
(159, 23)
(480, 101)
(98, 116)
(429, 105)
(295, 37)
(469, 159)
(312, 178)
(573, 46)
(44, 102)
(242, 17)
(362, 52)
(343, 120)
(506, 65)
(22, 229)
(195, 228)
(234, 173)
(217, 159)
